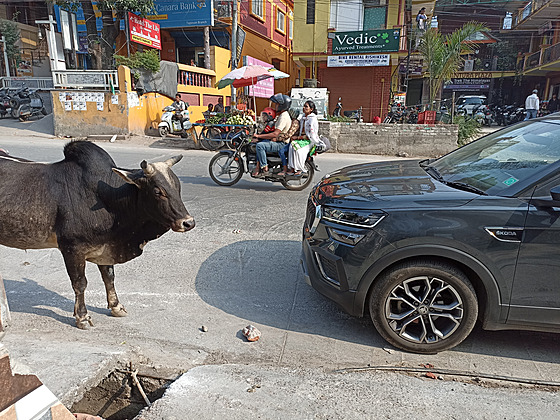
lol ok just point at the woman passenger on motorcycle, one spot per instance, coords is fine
(270, 143)
(302, 143)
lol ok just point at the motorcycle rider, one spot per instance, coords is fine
(268, 142)
(180, 110)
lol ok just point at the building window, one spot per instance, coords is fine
(291, 25)
(310, 12)
(280, 20)
(257, 8)
(375, 14)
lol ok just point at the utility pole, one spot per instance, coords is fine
(3, 40)
(233, 45)
(207, 47)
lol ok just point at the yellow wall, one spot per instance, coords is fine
(307, 37)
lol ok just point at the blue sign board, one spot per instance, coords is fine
(183, 13)
(169, 14)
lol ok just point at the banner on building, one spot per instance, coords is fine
(366, 60)
(319, 96)
(144, 31)
(183, 13)
(468, 84)
(373, 41)
(264, 88)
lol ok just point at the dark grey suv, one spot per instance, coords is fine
(428, 247)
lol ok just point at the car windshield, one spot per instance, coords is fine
(471, 101)
(500, 160)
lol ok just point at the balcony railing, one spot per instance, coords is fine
(529, 9)
(86, 79)
(542, 57)
(43, 83)
(192, 78)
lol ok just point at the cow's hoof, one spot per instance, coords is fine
(119, 311)
(84, 324)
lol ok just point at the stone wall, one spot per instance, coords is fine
(391, 139)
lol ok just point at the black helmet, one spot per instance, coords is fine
(283, 101)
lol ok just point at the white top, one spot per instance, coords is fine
(311, 125)
(532, 102)
(283, 122)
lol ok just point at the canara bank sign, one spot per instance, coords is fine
(357, 42)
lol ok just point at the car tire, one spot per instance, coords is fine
(423, 306)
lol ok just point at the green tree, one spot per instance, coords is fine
(9, 30)
(112, 12)
(442, 54)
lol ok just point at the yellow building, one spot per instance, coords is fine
(354, 49)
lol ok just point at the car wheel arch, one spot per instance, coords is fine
(481, 278)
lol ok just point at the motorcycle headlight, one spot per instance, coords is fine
(356, 218)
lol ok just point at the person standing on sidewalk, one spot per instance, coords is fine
(553, 104)
(532, 105)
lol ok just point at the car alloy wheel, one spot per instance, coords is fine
(424, 306)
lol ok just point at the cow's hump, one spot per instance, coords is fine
(86, 153)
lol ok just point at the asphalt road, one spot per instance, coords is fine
(240, 266)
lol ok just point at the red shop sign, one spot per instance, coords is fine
(144, 31)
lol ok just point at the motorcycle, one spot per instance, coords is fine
(4, 102)
(171, 125)
(26, 103)
(337, 108)
(228, 166)
(355, 114)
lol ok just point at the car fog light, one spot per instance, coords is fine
(345, 237)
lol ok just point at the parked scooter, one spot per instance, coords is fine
(26, 103)
(169, 124)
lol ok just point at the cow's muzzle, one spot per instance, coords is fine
(183, 225)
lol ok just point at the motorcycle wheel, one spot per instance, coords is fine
(209, 139)
(43, 111)
(163, 131)
(14, 112)
(224, 170)
(23, 118)
(300, 183)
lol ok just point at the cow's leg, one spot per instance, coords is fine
(108, 275)
(76, 268)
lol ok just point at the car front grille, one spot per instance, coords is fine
(328, 268)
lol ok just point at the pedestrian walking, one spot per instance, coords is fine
(553, 104)
(532, 105)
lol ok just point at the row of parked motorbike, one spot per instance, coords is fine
(21, 103)
(483, 114)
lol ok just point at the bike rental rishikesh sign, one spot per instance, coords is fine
(144, 31)
(359, 42)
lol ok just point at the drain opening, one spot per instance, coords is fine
(119, 397)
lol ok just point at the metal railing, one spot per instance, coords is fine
(529, 9)
(532, 60)
(551, 54)
(86, 79)
(191, 78)
(43, 83)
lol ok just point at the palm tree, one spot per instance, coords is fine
(442, 54)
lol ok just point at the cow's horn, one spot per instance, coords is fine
(147, 168)
(172, 161)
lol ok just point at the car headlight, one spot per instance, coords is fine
(355, 218)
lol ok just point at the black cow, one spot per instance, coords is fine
(90, 210)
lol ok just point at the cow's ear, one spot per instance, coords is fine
(130, 177)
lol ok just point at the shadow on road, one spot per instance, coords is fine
(262, 281)
(32, 298)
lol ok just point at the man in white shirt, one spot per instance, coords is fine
(532, 105)
(269, 142)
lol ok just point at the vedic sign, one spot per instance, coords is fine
(357, 42)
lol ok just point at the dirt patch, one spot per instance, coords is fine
(120, 397)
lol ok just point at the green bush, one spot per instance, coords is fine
(340, 119)
(469, 129)
(146, 60)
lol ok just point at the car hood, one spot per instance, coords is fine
(394, 184)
